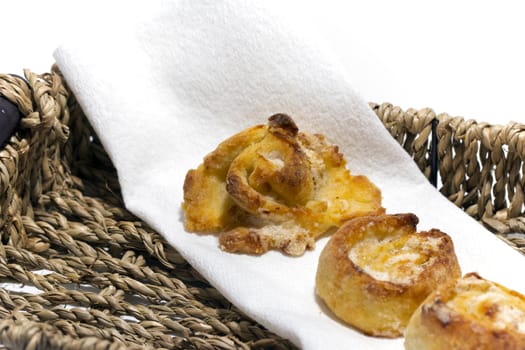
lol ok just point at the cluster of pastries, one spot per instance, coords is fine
(383, 278)
(272, 187)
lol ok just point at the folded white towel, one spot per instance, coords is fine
(163, 90)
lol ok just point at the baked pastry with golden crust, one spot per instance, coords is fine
(273, 187)
(472, 314)
(376, 270)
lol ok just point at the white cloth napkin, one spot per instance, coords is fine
(164, 89)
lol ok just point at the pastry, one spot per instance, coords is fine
(376, 270)
(474, 313)
(273, 187)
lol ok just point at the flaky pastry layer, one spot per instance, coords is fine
(273, 187)
(473, 313)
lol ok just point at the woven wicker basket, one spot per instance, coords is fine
(61, 211)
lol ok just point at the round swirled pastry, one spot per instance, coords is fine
(274, 187)
(375, 271)
(472, 314)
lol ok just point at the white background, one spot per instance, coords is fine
(466, 58)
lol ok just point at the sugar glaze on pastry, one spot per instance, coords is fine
(274, 187)
(397, 259)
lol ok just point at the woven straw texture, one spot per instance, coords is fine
(481, 166)
(105, 280)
